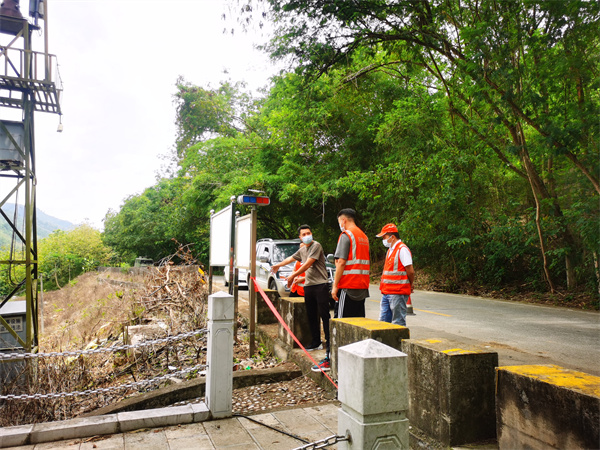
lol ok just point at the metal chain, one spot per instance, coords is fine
(103, 390)
(116, 348)
(331, 440)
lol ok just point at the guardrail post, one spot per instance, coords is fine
(373, 390)
(219, 375)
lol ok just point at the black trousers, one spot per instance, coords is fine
(316, 299)
(348, 307)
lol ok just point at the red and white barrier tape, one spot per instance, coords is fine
(282, 322)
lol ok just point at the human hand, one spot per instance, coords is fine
(291, 280)
(334, 292)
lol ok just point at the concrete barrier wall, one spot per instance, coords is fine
(451, 391)
(354, 329)
(293, 312)
(547, 406)
(264, 315)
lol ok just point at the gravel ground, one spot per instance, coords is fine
(301, 391)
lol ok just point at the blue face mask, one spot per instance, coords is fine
(307, 239)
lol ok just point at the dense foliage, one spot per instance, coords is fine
(63, 256)
(472, 125)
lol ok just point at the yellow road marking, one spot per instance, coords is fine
(431, 312)
(421, 310)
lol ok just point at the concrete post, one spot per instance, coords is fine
(373, 390)
(219, 376)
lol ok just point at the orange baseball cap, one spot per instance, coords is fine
(388, 228)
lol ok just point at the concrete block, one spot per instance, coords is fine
(451, 390)
(373, 391)
(293, 312)
(374, 379)
(15, 436)
(153, 418)
(386, 435)
(264, 315)
(219, 355)
(547, 406)
(136, 334)
(220, 307)
(74, 428)
(354, 329)
(200, 412)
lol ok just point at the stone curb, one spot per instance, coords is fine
(138, 412)
(101, 425)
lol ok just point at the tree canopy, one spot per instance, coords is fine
(472, 125)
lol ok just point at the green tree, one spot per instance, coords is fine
(64, 255)
(520, 75)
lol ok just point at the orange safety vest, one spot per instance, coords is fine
(299, 287)
(394, 279)
(358, 264)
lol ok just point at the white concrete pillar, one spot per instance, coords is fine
(219, 375)
(372, 387)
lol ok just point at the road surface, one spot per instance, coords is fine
(521, 333)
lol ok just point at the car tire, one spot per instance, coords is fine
(272, 284)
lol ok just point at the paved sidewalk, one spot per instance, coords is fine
(312, 424)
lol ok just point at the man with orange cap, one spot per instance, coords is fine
(397, 278)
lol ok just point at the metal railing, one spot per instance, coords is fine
(29, 65)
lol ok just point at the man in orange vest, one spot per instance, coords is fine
(397, 278)
(297, 288)
(352, 264)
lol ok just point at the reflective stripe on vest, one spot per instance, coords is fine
(394, 279)
(356, 272)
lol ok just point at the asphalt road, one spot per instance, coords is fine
(521, 333)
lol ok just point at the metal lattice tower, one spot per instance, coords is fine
(28, 82)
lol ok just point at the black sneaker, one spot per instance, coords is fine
(313, 347)
(322, 366)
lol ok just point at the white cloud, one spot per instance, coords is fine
(119, 61)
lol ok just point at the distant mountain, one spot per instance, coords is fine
(45, 224)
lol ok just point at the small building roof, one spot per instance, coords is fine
(14, 308)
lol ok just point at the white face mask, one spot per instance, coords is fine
(342, 228)
(307, 239)
(387, 243)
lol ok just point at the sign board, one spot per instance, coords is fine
(243, 237)
(220, 237)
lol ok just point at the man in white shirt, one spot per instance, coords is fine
(397, 279)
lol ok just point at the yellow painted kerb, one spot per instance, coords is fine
(457, 351)
(369, 324)
(559, 376)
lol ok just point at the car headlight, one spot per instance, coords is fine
(284, 275)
